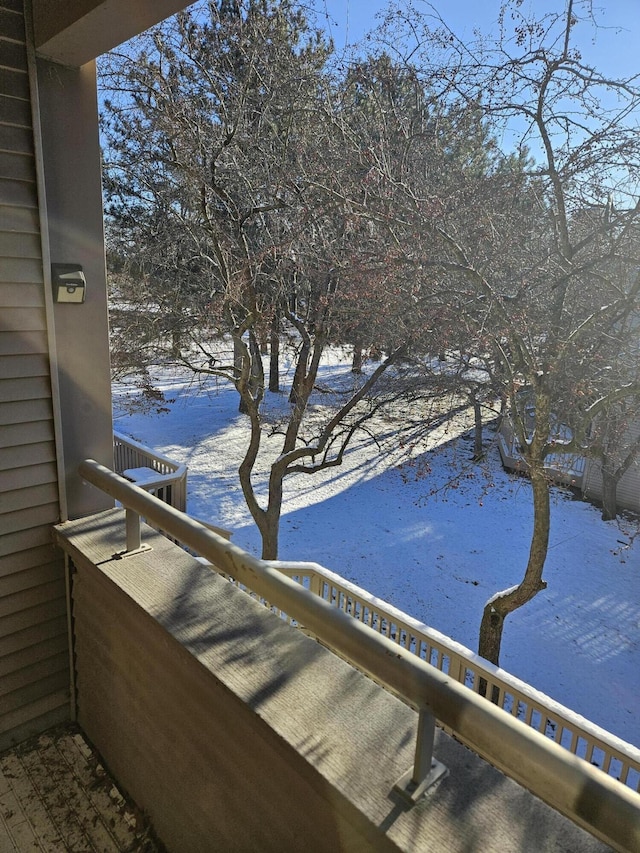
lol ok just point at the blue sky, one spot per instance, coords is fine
(614, 48)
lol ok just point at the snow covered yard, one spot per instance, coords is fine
(435, 545)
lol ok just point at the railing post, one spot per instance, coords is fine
(133, 544)
(133, 530)
(426, 769)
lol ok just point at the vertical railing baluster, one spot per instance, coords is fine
(426, 770)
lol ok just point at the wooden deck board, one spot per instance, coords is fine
(57, 797)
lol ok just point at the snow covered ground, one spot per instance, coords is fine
(434, 547)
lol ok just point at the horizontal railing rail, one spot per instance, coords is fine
(581, 737)
(592, 799)
(170, 484)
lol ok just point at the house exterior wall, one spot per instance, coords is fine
(33, 627)
(74, 233)
(628, 490)
(55, 406)
(580, 472)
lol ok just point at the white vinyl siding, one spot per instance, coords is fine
(33, 625)
(628, 490)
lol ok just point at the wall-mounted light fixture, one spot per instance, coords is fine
(69, 283)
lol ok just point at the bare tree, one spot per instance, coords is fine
(218, 140)
(533, 254)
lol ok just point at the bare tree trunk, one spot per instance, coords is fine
(503, 603)
(504, 400)
(268, 523)
(267, 520)
(256, 383)
(297, 385)
(269, 534)
(356, 363)
(176, 342)
(246, 466)
(270, 527)
(609, 495)
(274, 357)
(238, 354)
(478, 451)
(256, 373)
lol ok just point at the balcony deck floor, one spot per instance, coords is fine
(55, 795)
(223, 692)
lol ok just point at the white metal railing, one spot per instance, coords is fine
(151, 471)
(591, 798)
(619, 759)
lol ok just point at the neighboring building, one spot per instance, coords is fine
(582, 473)
(565, 468)
(628, 488)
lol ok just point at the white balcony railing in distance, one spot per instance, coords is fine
(154, 473)
(593, 799)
